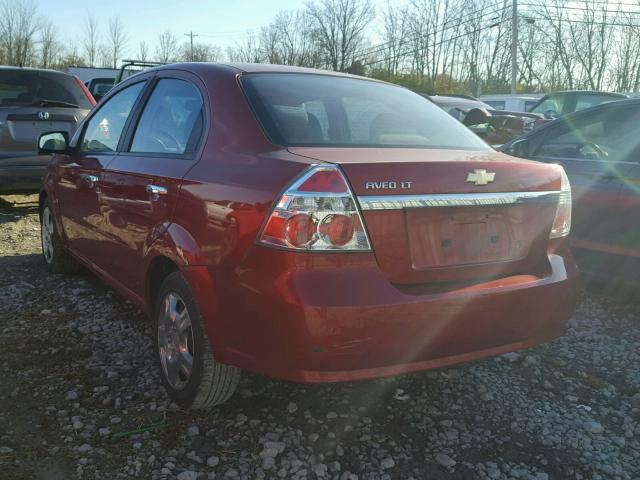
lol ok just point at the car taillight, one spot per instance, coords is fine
(562, 222)
(86, 91)
(318, 212)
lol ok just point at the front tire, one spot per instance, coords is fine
(55, 256)
(188, 369)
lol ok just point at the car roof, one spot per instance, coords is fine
(506, 96)
(441, 99)
(586, 92)
(33, 70)
(255, 68)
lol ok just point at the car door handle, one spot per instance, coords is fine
(90, 179)
(156, 190)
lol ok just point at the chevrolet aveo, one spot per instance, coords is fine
(307, 225)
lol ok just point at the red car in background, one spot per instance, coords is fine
(307, 225)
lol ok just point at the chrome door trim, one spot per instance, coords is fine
(399, 202)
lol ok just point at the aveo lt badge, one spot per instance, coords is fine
(404, 185)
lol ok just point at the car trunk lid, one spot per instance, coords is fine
(444, 215)
(20, 127)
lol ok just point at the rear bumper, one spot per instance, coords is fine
(21, 178)
(330, 318)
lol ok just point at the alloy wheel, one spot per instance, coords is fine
(46, 232)
(175, 341)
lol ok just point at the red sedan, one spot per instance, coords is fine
(306, 225)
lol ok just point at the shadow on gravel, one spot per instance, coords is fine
(12, 208)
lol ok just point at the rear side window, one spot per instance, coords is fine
(322, 110)
(29, 88)
(172, 120)
(550, 104)
(529, 104)
(105, 126)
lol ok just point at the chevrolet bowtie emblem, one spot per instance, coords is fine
(480, 177)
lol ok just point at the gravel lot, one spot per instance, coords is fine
(78, 380)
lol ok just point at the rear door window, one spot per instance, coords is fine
(586, 101)
(611, 135)
(103, 130)
(172, 120)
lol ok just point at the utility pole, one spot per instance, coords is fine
(191, 35)
(514, 46)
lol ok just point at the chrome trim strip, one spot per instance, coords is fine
(399, 202)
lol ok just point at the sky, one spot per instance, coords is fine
(217, 22)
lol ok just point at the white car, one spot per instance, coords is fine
(512, 103)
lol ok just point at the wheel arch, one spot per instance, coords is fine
(159, 268)
(174, 248)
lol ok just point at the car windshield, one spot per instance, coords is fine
(331, 111)
(31, 88)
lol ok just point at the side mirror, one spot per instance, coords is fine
(520, 148)
(53, 142)
(551, 114)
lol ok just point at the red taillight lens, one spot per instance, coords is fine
(337, 229)
(562, 222)
(330, 181)
(318, 212)
(86, 91)
(300, 229)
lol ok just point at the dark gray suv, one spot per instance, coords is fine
(33, 102)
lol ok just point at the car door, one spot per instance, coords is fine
(624, 255)
(593, 147)
(159, 149)
(79, 174)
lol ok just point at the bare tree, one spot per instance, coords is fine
(395, 36)
(19, 24)
(48, 44)
(143, 52)
(167, 48)
(91, 40)
(247, 51)
(117, 39)
(338, 27)
(201, 52)
(287, 40)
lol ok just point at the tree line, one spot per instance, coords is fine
(461, 46)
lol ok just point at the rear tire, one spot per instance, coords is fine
(56, 258)
(188, 369)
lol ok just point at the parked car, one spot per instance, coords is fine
(100, 86)
(307, 225)
(496, 127)
(513, 103)
(600, 150)
(33, 102)
(556, 104)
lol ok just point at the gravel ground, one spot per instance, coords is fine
(80, 398)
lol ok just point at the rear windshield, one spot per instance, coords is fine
(321, 110)
(40, 89)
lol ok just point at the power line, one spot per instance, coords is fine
(434, 45)
(581, 9)
(587, 22)
(460, 22)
